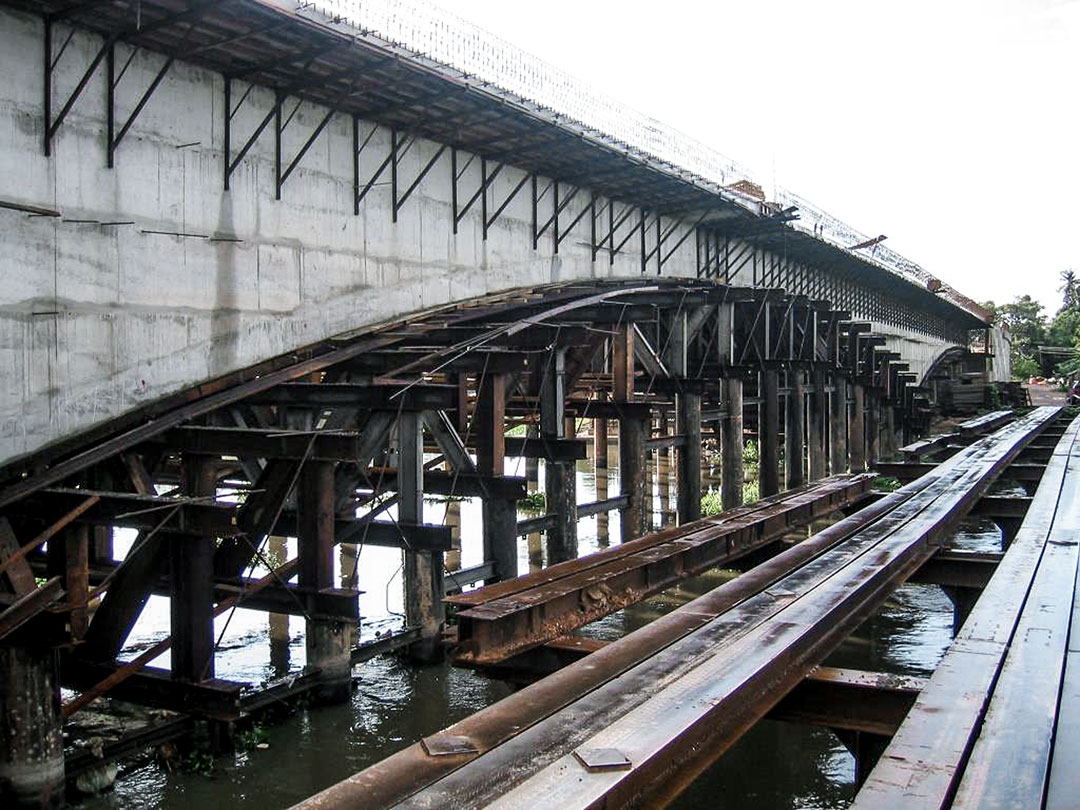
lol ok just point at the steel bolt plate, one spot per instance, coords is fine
(444, 745)
(602, 759)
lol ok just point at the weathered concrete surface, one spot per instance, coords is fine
(98, 318)
(153, 278)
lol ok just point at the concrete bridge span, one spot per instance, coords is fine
(194, 188)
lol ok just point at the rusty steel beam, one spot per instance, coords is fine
(509, 618)
(958, 568)
(852, 700)
(662, 695)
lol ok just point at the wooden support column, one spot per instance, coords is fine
(689, 456)
(632, 432)
(423, 569)
(794, 433)
(69, 559)
(31, 734)
(873, 429)
(731, 445)
(191, 598)
(857, 427)
(632, 477)
(600, 476)
(279, 622)
(560, 478)
(500, 516)
(890, 445)
(838, 426)
(816, 422)
(329, 641)
(769, 432)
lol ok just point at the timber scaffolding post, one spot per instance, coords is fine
(722, 662)
(301, 445)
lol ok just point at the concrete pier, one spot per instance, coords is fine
(31, 737)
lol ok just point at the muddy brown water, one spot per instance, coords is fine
(775, 766)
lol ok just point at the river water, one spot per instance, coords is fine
(775, 766)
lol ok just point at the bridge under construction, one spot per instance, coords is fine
(290, 270)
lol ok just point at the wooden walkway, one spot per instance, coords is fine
(998, 725)
(638, 719)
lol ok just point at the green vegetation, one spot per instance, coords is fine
(535, 501)
(199, 762)
(750, 491)
(887, 483)
(750, 453)
(252, 737)
(1029, 329)
(711, 503)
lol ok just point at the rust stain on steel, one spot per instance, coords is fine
(528, 614)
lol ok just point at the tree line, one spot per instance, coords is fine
(1030, 329)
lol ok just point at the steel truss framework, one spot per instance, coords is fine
(303, 443)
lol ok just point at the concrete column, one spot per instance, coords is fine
(328, 641)
(191, 599)
(838, 426)
(816, 422)
(689, 481)
(500, 516)
(560, 478)
(794, 433)
(31, 734)
(731, 445)
(857, 428)
(423, 569)
(769, 433)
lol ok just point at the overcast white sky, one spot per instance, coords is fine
(951, 126)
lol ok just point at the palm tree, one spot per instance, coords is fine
(1068, 287)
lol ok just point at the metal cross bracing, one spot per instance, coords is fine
(402, 99)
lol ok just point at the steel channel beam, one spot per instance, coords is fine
(497, 629)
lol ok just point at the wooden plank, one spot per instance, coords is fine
(984, 424)
(1010, 761)
(1063, 784)
(916, 450)
(555, 572)
(921, 766)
